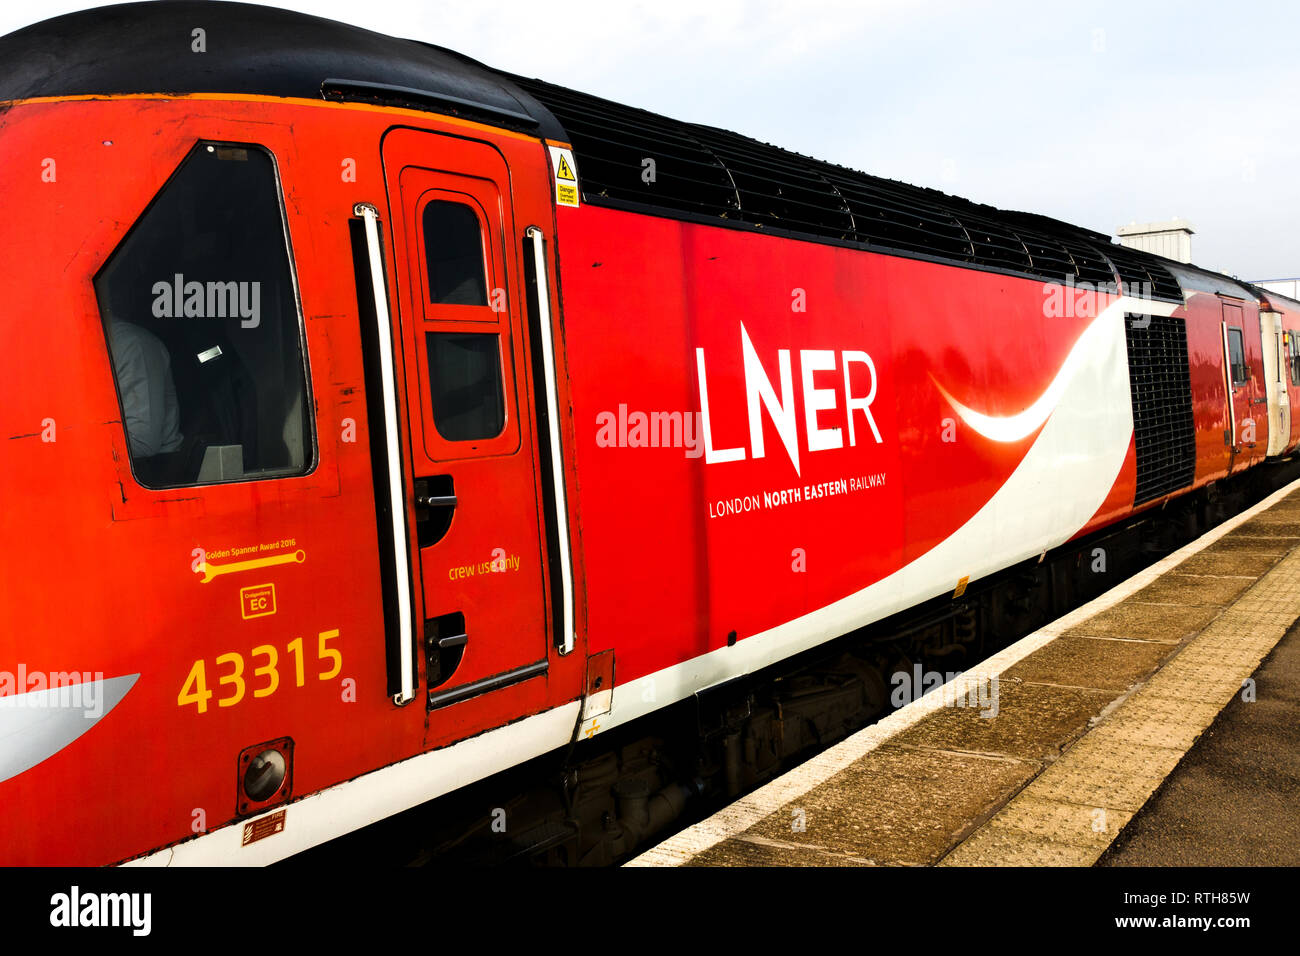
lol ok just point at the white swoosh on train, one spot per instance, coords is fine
(36, 725)
(1082, 446)
(1012, 428)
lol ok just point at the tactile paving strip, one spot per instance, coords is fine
(1116, 767)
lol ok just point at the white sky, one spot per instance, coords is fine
(1097, 113)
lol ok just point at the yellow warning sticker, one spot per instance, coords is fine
(566, 177)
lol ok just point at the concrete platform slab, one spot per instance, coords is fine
(1093, 714)
(1277, 523)
(1032, 721)
(1098, 662)
(897, 805)
(1169, 624)
(1189, 590)
(1244, 563)
(1256, 544)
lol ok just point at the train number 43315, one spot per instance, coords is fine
(229, 670)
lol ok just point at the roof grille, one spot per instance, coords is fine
(890, 217)
(711, 173)
(615, 140)
(1141, 274)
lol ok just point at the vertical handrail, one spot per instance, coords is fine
(1227, 368)
(396, 496)
(553, 420)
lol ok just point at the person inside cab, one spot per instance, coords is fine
(142, 365)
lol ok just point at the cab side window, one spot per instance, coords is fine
(201, 316)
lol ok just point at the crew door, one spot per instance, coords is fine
(475, 541)
(1245, 398)
(1276, 367)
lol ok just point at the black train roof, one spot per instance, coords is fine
(700, 172)
(147, 48)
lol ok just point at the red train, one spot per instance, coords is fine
(375, 421)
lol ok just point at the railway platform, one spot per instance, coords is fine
(1050, 752)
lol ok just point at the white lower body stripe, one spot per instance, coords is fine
(334, 811)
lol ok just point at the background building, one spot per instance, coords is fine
(1287, 287)
(1172, 239)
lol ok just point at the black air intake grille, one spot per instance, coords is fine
(1141, 274)
(1162, 405)
(615, 141)
(711, 174)
(1091, 266)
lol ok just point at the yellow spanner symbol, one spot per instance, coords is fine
(211, 571)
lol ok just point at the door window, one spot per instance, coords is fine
(1237, 357)
(453, 254)
(465, 384)
(465, 353)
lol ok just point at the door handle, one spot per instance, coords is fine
(436, 501)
